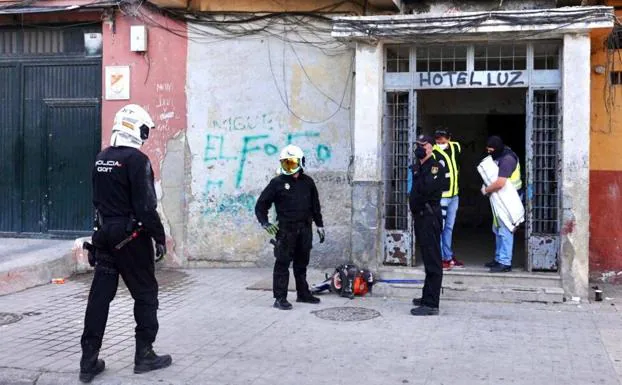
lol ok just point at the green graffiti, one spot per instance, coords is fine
(208, 149)
(253, 145)
(245, 151)
(229, 204)
(323, 153)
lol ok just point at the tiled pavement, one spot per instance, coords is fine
(220, 333)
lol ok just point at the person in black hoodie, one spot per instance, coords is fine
(125, 201)
(297, 205)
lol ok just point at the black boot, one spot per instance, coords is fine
(147, 360)
(90, 366)
(282, 303)
(307, 298)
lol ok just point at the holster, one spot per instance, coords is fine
(90, 251)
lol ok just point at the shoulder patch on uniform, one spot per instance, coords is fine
(434, 170)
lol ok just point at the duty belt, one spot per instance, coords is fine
(103, 220)
(427, 209)
(294, 224)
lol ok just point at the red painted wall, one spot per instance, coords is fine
(605, 222)
(157, 79)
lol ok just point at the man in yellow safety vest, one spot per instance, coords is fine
(450, 158)
(509, 170)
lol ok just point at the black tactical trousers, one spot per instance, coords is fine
(135, 263)
(293, 244)
(428, 237)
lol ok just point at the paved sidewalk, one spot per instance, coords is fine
(220, 333)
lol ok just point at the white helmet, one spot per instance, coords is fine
(131, 126)
(292, 159)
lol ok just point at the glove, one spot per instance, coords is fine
(270, 228)
(321, 233)
(160, 252)
(483, 190)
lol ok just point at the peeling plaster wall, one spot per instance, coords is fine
(157, 82)
(575, 154)
(247, 99)
(367, 247)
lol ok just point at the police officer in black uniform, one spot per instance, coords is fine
(125, 199)
(297, 204)
(429, 182)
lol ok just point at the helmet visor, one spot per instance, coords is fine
(290, 165)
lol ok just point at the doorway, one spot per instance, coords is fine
(471, 116)
(50, 125)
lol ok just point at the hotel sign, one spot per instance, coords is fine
(471, 79)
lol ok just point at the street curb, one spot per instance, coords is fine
(26, 276)
(16, 376)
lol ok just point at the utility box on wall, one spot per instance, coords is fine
(138, 38)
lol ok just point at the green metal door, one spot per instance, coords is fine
(10, 149)
(52, 139)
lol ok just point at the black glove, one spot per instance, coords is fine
(160, 252)
(321, 233)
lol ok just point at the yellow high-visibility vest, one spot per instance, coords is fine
(452, 167)
(515, 177)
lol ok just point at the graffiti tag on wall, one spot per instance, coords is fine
(218, 149)
(264, 121)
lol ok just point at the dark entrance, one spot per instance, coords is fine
(50, 130)
(472, 116)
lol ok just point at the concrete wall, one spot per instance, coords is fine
(247, 99)
(157, 82)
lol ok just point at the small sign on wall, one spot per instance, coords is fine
(117, 82)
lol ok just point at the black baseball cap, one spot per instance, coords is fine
(423, 139)
(441, 132)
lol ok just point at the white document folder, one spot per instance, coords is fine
(506, 203)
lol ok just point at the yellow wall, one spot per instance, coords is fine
(606, 126)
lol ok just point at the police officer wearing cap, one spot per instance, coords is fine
(297, 205)
(429, 182)
(125, 199)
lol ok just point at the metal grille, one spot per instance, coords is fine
(441, 58)
(8, 42)
(57, 40)
(616, 77)
(546, 56)
(43, 42)
(500, 57)
(396, 140)
(398, 59)
(614, 40)
(546, 138)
